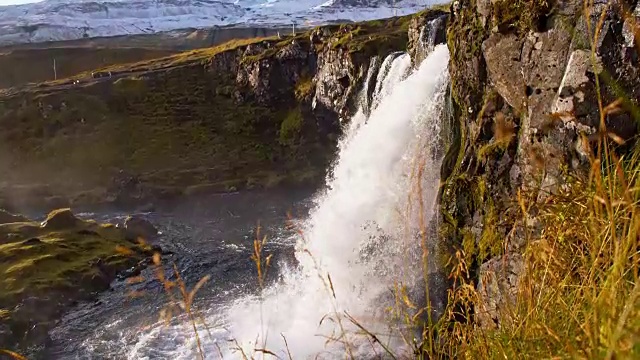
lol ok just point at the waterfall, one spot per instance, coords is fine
(429, 36)
(394, 68)
(364, 100)
(357, 234)
(361, 238)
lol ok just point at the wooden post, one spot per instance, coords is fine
(55, 71)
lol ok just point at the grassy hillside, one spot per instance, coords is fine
(21, 66)
(33, 63)
(213, 119)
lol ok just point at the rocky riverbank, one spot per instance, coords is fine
(48, 267)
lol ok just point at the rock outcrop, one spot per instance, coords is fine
(48, 267)
(527, 79)
(60, 219)
(137, 228)
(425, 32)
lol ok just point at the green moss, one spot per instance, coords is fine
(469, 246)
(304, 88)
(37, 260)
(185, 58)
(373, 37)
(291, 126)
(465, 197)
(465, 35)
(491, 149)
(490, 243)
(56, 266)
(520, 15)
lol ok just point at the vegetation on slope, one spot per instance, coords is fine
(536, 274)
(215, 119)
(47, 267)
(579, 295)
(22, 66)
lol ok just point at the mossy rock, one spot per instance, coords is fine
(60, 219)
(44, 269)
(520, 16)
(291, 126)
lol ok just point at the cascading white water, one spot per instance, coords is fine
(370, 184)
(394, 68)
(360, 239)
(428, 36)
(364, 102)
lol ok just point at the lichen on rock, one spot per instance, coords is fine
(532, 65)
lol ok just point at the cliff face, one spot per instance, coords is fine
(525, 82)
(248, 113)
(34, 63)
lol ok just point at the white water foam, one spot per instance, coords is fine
(370, 184)
(428, 36)
(361, 234)
(364, 103)
(394, 68)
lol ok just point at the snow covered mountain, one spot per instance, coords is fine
(74, 19)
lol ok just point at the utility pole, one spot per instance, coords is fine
(55, 72)
(294, 28)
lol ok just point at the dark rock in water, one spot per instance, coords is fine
(137, 227)
(32, 241)
(7, 217)
(60, 219)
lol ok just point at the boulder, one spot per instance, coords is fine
(137, 227)
(498, 282)
(7, 217)
(502, 54)
(60, 219)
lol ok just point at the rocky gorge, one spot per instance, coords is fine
(529, 85)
